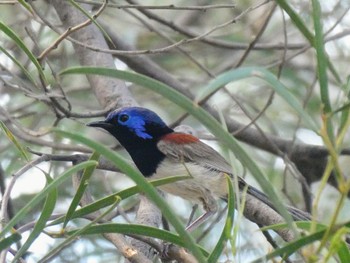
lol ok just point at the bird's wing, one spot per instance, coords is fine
(187, 148)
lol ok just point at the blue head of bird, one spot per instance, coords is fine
(138, 130)
(133, 126)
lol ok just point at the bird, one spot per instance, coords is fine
(158, 152)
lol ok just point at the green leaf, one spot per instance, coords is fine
(338, 246)
(305, 31)
(93, 21)
(322, 65)
(81, 189)
(343, 252)
(297, 21)
(74, 236)
(26, 6)
(321, 56)
(20, 215)
(8, 241)
(13, 139)
(226, 232)
(275, 84)
(291, 247)
(46, 212)
(304, 225)
(108, 200)
(11, 34)
(19, 64)
(199, 113)
(142, 183)
(133, 229)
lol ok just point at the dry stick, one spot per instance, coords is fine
(9, 118)
(256, 39)
(239, 63)
(291, 167)
(69, 31)
(250, 46)
(287, 160)
(210, 41)
(210, 31)
(166, 251)
(53, 100)
(68, 113)
(159, 50)
(167, 7)
(107, 90)
(165, 49)
(8, 2)
(305, 185)
(180, 49)
(37, 141)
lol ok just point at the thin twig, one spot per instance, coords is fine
(161, 7)
(69, 31)
(256, 39)
(7, 194)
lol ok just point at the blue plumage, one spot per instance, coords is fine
(136, 119)
(138, 130)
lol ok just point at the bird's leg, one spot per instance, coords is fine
(194, 209)
(210, 206)
(199, 220)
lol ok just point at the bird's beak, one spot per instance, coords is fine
(100, 124)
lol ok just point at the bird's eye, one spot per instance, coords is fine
(123, 117)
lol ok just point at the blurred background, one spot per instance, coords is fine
(192, 42)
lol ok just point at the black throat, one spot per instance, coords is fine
(144, 152)
(146, 156)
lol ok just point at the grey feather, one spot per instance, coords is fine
(198, 152)
(205, 156)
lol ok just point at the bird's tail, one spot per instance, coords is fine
(297, 214)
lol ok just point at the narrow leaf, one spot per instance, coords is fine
(13, 139)
(284, 4)
(74, 3)
(11, 34)
(40, 196)
(74, 236)
(108, 200)
(321, 56)
(275, 84)
(8, 241)
(19, 64)
(26, 6)
(46, 212)
(291, 247)
(81, 189)
(133, 229)
(226, 232)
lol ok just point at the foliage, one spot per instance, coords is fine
(272, 75)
